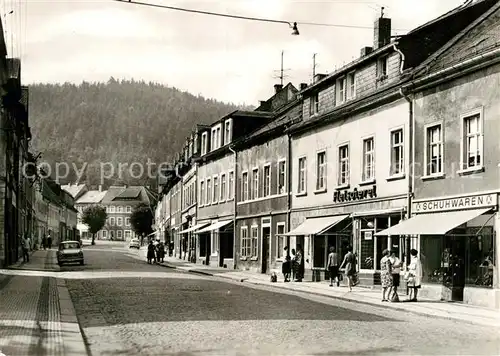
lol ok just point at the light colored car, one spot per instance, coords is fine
(134, 243)
(70, 252)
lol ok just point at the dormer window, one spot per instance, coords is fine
(314, 104)
(228, 129)
(216, 137)
(204, 143)
(351, 85)
(341, 90)
(382, 68)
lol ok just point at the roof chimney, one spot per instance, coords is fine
(318, 77)
(277, 88)
(262, 102)
(382, 32)
(303, 86)
(366, 51)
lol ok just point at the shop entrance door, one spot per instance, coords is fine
(454, 252)
(266, 233)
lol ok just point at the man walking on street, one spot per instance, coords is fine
(26, 242)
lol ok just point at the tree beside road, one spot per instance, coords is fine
(94, 217)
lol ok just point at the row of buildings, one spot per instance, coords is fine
(119, 202)
(29, 203)
(397, 149)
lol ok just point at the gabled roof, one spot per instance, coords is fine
(91, 197)
(112, 193)
(74, 189)
(129, 193)
(479, 37)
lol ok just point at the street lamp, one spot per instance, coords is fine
(295, 30)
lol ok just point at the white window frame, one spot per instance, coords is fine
(427, 148)
(215, 189)
(127, 232)
(341, 90)
(119, 234)
(209, 193)
(216, 137)
(244, 186)
(127, 221)
(254, 242)
(204, 143)
(383, 67)
(314, 104)
(112, 209)
(464, 150)
(228, 137)
(278, 174)
(202, 192)
(367, 175)
(321, 180)
(104, 234)
(112, 221)
(278, 237)
(223, 187)
(119, 221)
(245, 243)
(129, 209)
(351, 85)
(301, 172)
(255, 192)
(345, 183)
(397, 147)
(266, 180)
(118, 209)
(230, 185)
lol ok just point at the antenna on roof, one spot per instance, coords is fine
(382, 12)
(281, 76)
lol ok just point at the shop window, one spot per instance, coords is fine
(367, 250)
(319, 251)
(433, 259)
(480, 257)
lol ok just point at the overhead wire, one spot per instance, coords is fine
(250, 18)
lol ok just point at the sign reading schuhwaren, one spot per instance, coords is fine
(471, 202)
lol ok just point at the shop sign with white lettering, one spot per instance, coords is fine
(471, 202)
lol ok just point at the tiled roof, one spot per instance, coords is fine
(482, 36)
(91, 197)
(111, 193)
(73, 189)
(129, 193)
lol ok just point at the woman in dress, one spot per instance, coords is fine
(385, 273)
(350, 267)
(414, 275)
(286, 267)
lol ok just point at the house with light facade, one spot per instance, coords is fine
(350, 154)
(455, 220)
(89, 197)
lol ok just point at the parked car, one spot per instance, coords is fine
(70, 252)
(134, 243)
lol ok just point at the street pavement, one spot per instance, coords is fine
(128, 307)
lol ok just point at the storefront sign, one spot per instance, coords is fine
(476, 201)
(368, 235)
(355, 194)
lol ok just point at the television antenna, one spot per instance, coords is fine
(282, 71)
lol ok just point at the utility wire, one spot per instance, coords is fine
(246, 17)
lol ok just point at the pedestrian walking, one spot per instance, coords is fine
(349, 263)
(333, 266)
(44, 242)
(26, 244)
(160, 251)
(49, 241)
(293, 262)
(385, 274)
(151, 252)
(396, 271)
(414, 275)
(286, 266)
(300, 264)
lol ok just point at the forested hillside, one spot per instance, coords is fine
(117, 122)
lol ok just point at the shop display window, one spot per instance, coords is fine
(479, 263)
(430, 257)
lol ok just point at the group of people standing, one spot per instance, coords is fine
(294, 266)
(156, 251)
(390, 274)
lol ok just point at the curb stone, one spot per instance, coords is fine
(73, 340)
(369, 303)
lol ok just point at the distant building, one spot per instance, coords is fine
(86, 198)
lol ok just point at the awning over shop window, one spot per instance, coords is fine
(214, 226)
(315, 226)
(153, 233)
(193, 228)
(432, 224)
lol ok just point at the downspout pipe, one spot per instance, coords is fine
(235, 179)
(411, 164)
(401, 54)
(289, 186)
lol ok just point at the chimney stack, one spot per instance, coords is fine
(366, 51)
(277, 88)
(382, 32)
(262, 102)
(318, 77)
(303, 86)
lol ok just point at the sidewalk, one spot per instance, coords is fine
(439, 309)
(36, 313)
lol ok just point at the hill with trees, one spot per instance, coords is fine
(114, 122)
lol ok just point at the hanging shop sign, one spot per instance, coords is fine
(355, 194)
(460, 203)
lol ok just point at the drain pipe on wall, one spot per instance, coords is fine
(289, 187)
(411, 165)
(235, 179)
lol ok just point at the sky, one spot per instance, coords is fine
(230, 60)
